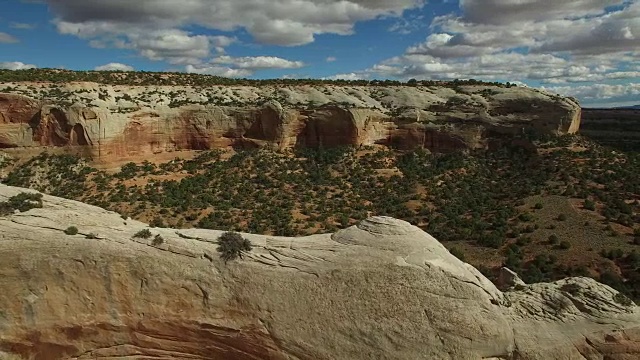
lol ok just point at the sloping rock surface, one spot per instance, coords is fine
(383, 289)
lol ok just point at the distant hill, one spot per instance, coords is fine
(631, 107)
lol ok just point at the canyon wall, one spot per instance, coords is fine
(137, 120)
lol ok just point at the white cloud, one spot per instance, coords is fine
(559, 43)
(22, 26)
(348, 76)
(331, 59)
(16, 65)
(601, 94)
(508, 12)
(171, 45)
(280, 22)
(258, 62)
(7, 38)
(218, 71)
(408, 25)
(235, 67)
(114, 67)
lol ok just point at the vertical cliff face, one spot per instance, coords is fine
(16, 114)
(438, 119)
(327, 128)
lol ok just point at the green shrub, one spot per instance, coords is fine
(553, 239)
(457, 253)
(622, 299)
(231, 245)
(525, 217)
(91, 236)
(71, 230)
(564, 245)
(21, 202)
(157, 240)
(589, 205)
(142, 234)
(573, 289)
(561, 217)
(538, 206)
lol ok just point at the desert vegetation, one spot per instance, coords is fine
(231, 245)
(186, 79)
(567, 206)
(21, 202)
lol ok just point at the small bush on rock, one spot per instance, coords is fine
(157, 240)
(22, 202)
(71, 230)
(564, 245)
(231, 245)
(622, 299)
(143, 234)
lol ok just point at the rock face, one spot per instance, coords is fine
(16, 115)
(380, 290)
(120, 121)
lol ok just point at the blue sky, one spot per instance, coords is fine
(586, 48)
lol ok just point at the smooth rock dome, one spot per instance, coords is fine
(382, 289)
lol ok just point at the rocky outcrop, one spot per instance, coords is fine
(382, 289)
(16, 114)
(120, 121)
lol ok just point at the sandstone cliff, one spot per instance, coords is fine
(380, 290)
(125, 120)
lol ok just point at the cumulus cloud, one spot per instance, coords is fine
(7, 39)
(559, 43)
(219, 71)
(601, 94)
(258, 62)
(114, 67)
(22, 26)
(505, 12)
(156, 28)
(330, 59)
(228, 66)
(16, 65)
(348, 76)
(172, 45)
